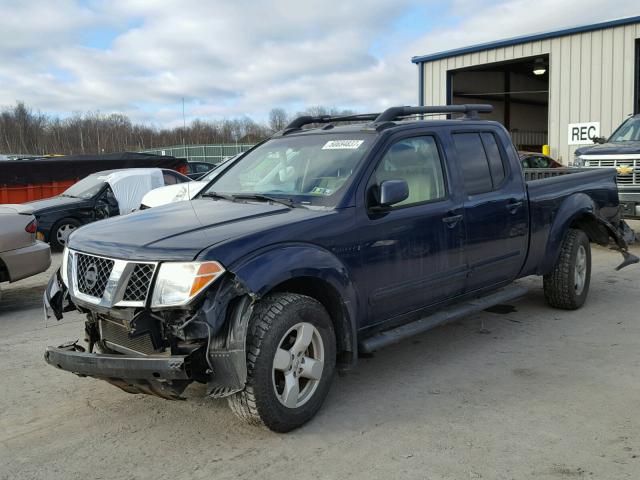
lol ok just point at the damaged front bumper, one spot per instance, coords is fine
(213, 352)
(166, 377)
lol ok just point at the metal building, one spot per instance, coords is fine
(558, 88)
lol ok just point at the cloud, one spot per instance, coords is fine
(245, 57)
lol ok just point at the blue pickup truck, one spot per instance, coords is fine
(622, 152)
(337, 236)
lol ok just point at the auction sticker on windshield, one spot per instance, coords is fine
(342, 144)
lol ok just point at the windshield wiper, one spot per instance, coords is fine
(266, 198)
(223, 196)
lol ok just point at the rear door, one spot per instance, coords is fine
(495, 208)
(412, 254)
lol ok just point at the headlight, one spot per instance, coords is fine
(179, 282)
(65, 267)
(578, 161)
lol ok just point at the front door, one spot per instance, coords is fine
(412, 253)
(495, 209)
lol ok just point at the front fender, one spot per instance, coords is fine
(265, 269)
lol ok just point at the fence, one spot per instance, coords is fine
(202, 153)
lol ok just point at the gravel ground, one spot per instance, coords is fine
(533, 393)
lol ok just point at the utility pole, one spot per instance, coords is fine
(184, 129)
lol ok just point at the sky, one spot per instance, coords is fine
(233, 58)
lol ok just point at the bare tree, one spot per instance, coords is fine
(24, 131)
(277, 119)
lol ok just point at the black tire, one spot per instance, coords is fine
(57, 227)
(269, 327)
(561, 285)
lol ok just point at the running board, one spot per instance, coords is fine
(449, 314)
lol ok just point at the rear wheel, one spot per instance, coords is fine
(567, 285)
(60, 232)
(291, 350)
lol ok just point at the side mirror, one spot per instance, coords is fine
(599, 140)
(393, 192)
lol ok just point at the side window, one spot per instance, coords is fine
(480, 161)
(417, 161)
(473, 162)
(495, 159)
(169, 179)
(203, 168)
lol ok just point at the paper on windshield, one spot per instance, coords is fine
(129, 186)
(342, 144)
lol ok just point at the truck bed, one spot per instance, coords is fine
(555, 200)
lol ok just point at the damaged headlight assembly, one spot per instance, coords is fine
(178, 283)
(64, 269)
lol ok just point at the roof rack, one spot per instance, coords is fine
(307, 119)
(396, 113)
(390, 114)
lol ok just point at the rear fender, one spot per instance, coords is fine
(579, 211)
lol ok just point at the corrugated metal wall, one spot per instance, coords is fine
(591, 78)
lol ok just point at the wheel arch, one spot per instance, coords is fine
(308, 270)
(330, 298)
(577, 211)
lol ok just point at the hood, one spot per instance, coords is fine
(172, 193)
(54, 203)
(610, 149)
(177, 231)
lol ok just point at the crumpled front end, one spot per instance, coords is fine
(145, 350)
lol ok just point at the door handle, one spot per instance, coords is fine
(514, 205)
(451, 220)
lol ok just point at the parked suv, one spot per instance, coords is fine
(316, 245)
(622, 152)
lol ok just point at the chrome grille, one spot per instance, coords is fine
(110, 282)
(139, 283)
(118, 336)
(631, 178)
(92, 274)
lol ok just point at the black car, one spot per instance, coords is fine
(91, 199)
(196, 170)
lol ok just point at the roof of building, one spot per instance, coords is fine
(524, 39)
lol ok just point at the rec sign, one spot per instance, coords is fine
(583, 133)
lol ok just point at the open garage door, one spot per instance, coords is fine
(518, 91)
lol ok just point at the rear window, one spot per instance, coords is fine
(496, 166)
(480, 160)
(473, 162)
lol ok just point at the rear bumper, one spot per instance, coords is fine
(25, 262)
(175, 367)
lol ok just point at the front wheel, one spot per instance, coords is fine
(567, 285)
(291, 355)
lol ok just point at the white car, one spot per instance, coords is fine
(180, 192)
(171, 194)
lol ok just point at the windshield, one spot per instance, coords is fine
(629, 131)
(307, 169)
(88, 187)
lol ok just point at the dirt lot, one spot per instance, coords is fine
(534, 393)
